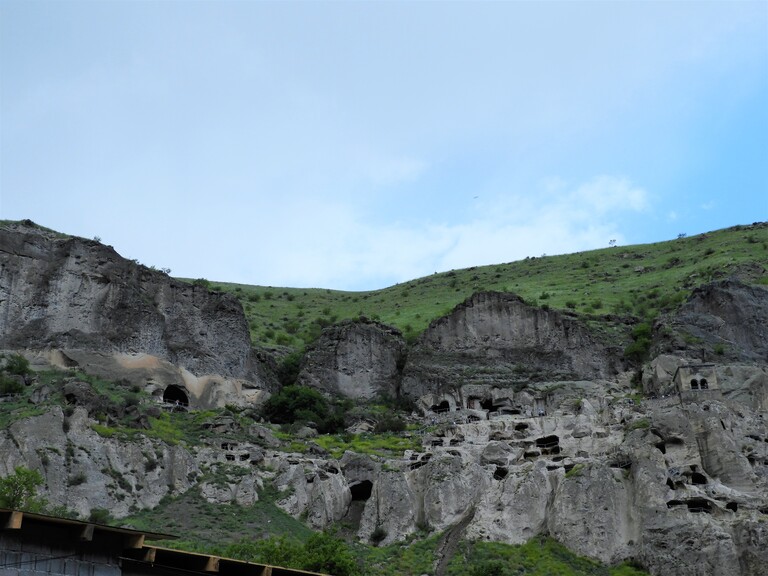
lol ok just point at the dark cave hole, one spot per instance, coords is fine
(175, 395)
(361, 490)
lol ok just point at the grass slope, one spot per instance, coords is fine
(639, 280)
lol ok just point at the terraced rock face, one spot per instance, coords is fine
(497, 339)
(72, 293)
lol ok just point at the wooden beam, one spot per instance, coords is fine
(14, 520)
(86, 534)
(134, 541)
(212, 565)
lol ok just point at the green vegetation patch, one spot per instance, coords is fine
(209, 528)
(384, 445)
(640, 281)
(540, 556)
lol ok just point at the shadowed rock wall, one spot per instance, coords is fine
(66, 292)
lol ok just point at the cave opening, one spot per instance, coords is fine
(732, 506)
(521, 427)
(361, 491)
(443, 406)
(670, 484)
(500, 473)
(662, 447)
(175, 395)
(697, 478)
(487, 404)
(698, 505)
(547, 441)
(549, 444)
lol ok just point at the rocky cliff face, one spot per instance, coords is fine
(67, 293)
(497, 339)
(725, 320)
(530, 424)
(358, 360)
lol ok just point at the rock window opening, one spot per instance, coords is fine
(549, 444)
(670, 484)
(703, 385)
(176, 396)
(245, 457)
(487, 405)
(361, 491)
(521, 427)
(699, 505)
(732, 506)
(230, 457)
(697, 478)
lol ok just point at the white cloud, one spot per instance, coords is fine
(331, 245)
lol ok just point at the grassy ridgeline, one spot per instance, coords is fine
(638, 281)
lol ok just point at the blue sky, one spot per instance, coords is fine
(354, 145)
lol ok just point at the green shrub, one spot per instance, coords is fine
(301, 404)
(637, 351)
(288, 370)
(17, 364)
(378, 535)
(10, 385)
(100, 516)
(389, 423)
(77, 479)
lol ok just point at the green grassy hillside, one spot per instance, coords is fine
(637, 281)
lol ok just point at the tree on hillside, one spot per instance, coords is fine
(18, 491)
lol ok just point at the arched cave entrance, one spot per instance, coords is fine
(175, 395)
(361, 491)
(444, 406)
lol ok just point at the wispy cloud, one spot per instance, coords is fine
(348, 251)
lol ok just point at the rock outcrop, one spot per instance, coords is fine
(357, 359)
(497, 339)
(724, 321)
(530, 423)
(66, 293)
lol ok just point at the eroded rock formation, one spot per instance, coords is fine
(497, 339)
(66, 293)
